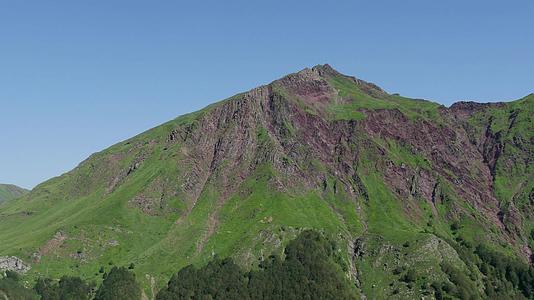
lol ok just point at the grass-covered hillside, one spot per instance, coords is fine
(9, 191)
(409, 188)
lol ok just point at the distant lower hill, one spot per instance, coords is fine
(10, 191)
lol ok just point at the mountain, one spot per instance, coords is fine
(420, 197)
(9, 191)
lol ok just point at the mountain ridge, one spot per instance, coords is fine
(11, 191)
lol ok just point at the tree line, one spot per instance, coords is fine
(118, 284)
(310, 268)
(308, 271)
(502, 276)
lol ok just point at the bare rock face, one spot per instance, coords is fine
(12, 263)
(464, 109)
(286, 124)
(450, 153)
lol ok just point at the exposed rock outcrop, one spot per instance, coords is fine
(13, 263)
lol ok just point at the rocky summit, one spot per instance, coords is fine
(419, 197)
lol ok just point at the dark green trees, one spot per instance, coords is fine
(68, 288)
(464, 287)
(119, 284)
(503, 274)
(219, 279)
(12, 288)
(307, 272)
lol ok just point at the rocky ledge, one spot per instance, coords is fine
(12, 263)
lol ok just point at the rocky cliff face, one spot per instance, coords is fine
(315, 149)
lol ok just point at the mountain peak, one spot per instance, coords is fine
(322, 75)
(324, 70)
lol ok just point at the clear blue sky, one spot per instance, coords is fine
(78, 76)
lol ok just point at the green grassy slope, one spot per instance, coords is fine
(9, 191)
